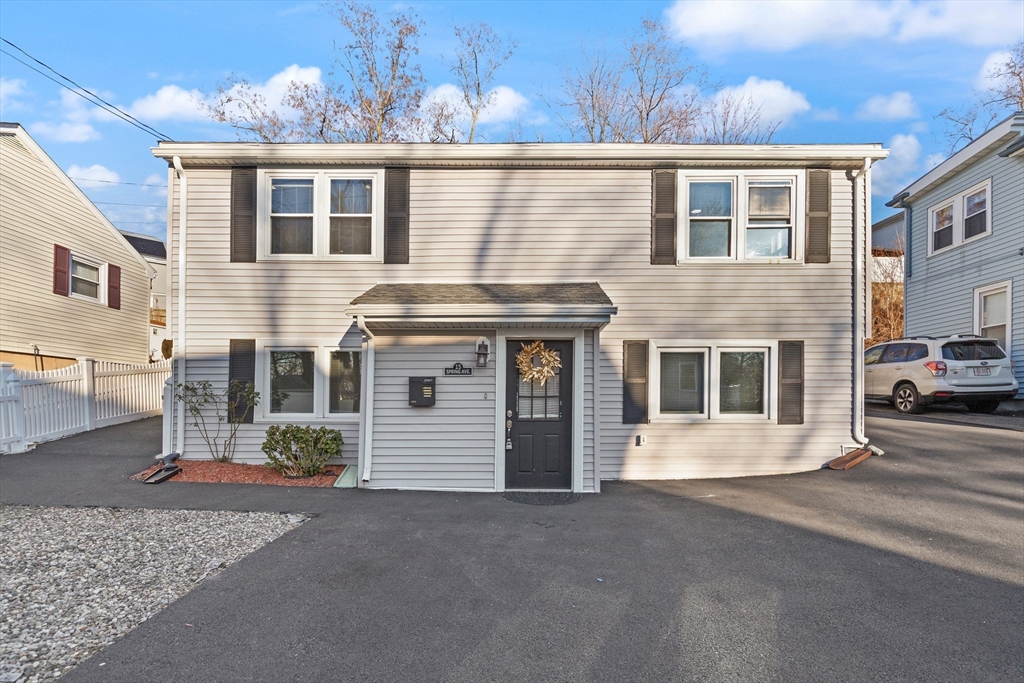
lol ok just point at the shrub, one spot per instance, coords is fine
(301, 451)
(230, 406)
(167, 348)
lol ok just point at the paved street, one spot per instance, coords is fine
(909, 567)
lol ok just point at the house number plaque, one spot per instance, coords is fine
(458, 370)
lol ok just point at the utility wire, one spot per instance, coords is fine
(155, 206)
(115, 182)
(110, 108)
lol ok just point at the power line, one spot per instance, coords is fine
(115, 182)
(107, 106)
(155, 206)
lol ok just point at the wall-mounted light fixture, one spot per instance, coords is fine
(483, 352)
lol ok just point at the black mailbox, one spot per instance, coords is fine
(421, 391)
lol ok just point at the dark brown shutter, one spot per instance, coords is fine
(819, 215)
(791, 382)
(396, 215)
(243, 215)
(61, 269)
(634, 382)
(663, 218)
(113, 287)
(242, 369)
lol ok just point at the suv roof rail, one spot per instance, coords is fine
(932, 338)
(965, 336)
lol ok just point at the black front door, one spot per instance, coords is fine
(538, 421)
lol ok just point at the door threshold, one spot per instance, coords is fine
(537, 491)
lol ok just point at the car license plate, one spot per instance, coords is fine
(982, 372)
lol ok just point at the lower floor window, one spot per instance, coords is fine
(992, 313)
(711, 381)
(314, 382)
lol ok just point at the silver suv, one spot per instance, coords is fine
(913, 372)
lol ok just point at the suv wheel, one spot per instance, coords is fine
(906, 399)
(988, 406)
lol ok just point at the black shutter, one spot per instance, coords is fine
(819, 216)
(791, 382)
(634, 382)
(242, 369)
(396, 215)
(243, 215)
(663, 218)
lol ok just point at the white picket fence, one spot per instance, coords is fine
(42, 406)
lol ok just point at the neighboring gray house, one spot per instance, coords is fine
(888, 233)
(964, 262)
(70, 284)
(706, 304)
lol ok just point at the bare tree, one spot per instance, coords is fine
(731, 119)
(439, 121)
(1005, 93)
(664, 92)
(481, 52)
(379, 102)
(593, 93)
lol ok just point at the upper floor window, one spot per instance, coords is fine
(335, 215)
(960, 219)
(750, 215)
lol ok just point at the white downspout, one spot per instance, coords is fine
(179, 346)
(860, 178)
(366, 443)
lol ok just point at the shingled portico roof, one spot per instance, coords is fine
(440, 304)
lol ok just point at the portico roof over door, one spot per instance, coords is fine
(447, 305)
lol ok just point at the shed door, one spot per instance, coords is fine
(540, 434)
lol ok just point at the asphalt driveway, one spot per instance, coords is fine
(909, 567)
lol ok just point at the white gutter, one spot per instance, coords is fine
(366, 440)
(861, 179)
(179, 346)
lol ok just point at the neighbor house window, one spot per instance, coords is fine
(716, 380)
(325, 214)
(749, 215)
(86, 278)
(961, 218)
(992, 313)
(317, 382)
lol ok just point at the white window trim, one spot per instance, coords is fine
(980, 292)
(101, 297)
(738, 235)
(321, 381)
(321, 214)
(712, 373)
(959, 223)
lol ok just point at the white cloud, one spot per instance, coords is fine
(901, 168)
(93, 177)
(155, 179)
(10, 88)
(899, 105)
(64, 132)
(984, 79)
(778, 102)
(274, 90)
(506, 105)
(980, 22)
(831, 114)
(169, 102)
(787, 24)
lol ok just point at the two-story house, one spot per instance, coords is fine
(154, 251)
(964, 260)
(538, 316)
(70, 284)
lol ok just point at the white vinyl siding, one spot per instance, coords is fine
(539, 225)
(38, 210)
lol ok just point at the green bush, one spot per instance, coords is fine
(301, 451)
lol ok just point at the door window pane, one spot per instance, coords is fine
(917, 352)
(872, 355)
(895, 353)
(345, 382)
(536, 401)
(741, 387)
(682, 383)
(291, 381)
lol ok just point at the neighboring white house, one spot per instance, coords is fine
(155, 253)
(964, 259)
(70, 284)
(706, 305)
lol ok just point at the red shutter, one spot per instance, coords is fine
(61, 269)
(113, 287)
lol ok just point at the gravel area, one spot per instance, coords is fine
(72, 580)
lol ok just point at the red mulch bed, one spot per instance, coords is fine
(210, 472)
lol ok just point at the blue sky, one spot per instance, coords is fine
(835, 71)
